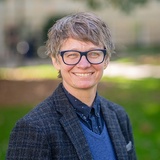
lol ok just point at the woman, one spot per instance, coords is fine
(75, 122)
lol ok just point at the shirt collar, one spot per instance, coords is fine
(82, 109)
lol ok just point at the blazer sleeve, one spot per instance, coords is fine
(28, 141)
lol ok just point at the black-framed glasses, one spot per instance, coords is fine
(73, 57)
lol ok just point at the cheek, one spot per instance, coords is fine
(65, 68)
(99, 67)
(100, 70)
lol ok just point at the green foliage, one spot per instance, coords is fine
(124, 5)
(137, 50)
(127, 5)
(138, 55)
(94, 4)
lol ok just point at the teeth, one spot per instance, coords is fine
(83, 74)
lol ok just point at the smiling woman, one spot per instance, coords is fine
(80, 73)
(75, 119)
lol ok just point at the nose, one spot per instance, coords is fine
(83, 63)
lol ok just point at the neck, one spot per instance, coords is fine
(86, 96)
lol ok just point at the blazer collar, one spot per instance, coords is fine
(114, 131)
(71, 124)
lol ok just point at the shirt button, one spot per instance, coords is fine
(84, 117)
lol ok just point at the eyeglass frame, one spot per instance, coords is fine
(83, 54)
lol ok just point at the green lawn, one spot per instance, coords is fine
(8, 118)
(140, 98)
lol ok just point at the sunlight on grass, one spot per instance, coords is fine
(29, 72)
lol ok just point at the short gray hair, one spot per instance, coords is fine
(82, 26)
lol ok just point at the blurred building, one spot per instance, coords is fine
(25, 17)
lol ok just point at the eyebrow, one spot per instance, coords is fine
(75, 49)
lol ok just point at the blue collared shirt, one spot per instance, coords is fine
(89, 116)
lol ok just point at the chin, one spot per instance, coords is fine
(85, 86)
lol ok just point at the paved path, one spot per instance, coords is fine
(132, 71)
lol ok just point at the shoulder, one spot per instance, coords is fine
(39, 116)
(45, 114)
(116, 109)
(111, 105)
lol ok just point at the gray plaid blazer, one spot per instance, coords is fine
(52, 131)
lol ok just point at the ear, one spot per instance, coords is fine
(55, 63)
(106, 62)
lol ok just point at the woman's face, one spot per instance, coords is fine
(83, 75)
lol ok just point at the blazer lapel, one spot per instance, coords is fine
(115, 133)
(70, 122)
(75, 133)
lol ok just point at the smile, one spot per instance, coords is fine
(83, 74)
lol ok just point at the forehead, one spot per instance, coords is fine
(71, 43)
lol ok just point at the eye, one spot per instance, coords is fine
(94, 54)
(71, 55)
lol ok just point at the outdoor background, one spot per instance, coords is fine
(132, 78)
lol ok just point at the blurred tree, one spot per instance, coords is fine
(125, 5)
(49, 23)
